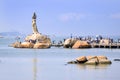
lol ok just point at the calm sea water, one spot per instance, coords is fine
(50, 64)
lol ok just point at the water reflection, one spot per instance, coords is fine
(100, 66)
(35, 67)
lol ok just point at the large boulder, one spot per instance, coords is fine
(69, 43)
(42, 45)
(81, 59)
(81, 44)
(27, 45)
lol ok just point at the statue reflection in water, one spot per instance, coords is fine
(35, 67)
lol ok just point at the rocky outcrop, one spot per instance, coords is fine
(75, 44)
(41, 45)
(69, 43)
(91, 60)
(34, 40)
(81, 44)
(27, 45)
(37, 37)
(16, 44)
(39, 40)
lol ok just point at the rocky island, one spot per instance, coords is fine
(35, 40)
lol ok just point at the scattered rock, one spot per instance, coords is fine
(116, 59)
(91, 60)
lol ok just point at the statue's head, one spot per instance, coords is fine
(34, 16)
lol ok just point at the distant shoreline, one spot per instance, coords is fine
(1, 37)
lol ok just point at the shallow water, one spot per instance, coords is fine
(51, 64)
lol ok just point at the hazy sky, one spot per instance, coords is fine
(61, 17)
